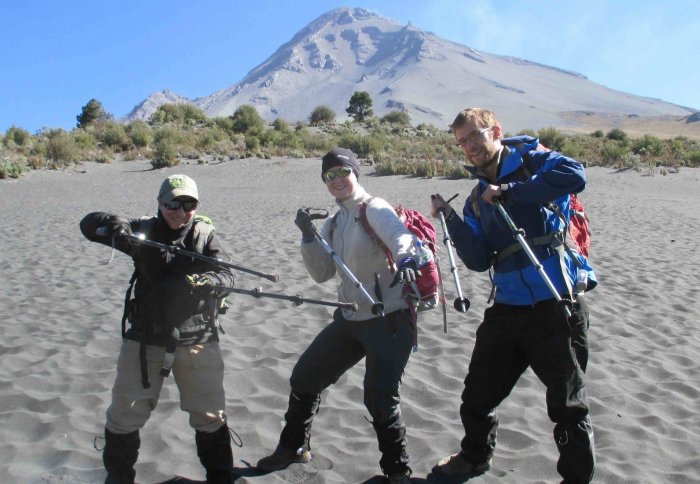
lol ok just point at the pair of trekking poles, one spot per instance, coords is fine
(519, 235)
(140, 239)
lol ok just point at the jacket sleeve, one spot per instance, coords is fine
(215, 249)
(382, 217)
(469, 240)
(95, 220)
(555, 175)
(318, 262)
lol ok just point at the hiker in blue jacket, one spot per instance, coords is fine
(525, 327)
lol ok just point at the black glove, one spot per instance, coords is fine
(303, 221)
(117, 225)
(407, 272)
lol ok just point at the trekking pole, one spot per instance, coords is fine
(296, 299)
(461, 304)
(377, 307)
(139, 238)
(519, 235)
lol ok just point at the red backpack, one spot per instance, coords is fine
(429, 279)
(578, 224)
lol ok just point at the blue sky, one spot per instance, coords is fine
(57, 54)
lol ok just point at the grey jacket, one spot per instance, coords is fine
(361, 254)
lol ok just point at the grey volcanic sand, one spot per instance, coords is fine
(60, 335)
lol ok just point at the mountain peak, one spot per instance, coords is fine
(403, 67)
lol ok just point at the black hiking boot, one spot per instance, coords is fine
(282, 458)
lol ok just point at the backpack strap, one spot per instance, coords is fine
(373, 235)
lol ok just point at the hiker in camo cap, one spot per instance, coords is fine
(172, 319)
(527, 325)
(384, 342)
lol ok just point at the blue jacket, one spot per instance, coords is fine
(478, 239)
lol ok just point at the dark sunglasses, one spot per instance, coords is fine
(187, 206)
(333, 174)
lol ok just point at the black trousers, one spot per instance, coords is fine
(511, 339)
(386, 344)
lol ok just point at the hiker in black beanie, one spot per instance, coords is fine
(385, 341)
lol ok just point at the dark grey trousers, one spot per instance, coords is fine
(386, 344)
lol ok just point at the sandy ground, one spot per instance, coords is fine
(61, 305)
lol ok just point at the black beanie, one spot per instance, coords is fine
(340, 157)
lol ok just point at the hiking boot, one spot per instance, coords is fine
(400, 477)
(282, 458)
(457, 465)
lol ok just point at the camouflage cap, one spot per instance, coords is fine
(177, 186)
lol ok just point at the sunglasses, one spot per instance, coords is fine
(473, 136)
(187, 206)
(333, 174)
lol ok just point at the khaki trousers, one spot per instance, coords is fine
(198, 371)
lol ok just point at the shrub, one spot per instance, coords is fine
(613, 154)
(694, 158)
(647, 145)
(19, 136)
(12, 168)
(552, 138)
(322, 115)
(166, 143)
(597, 134)
(140, 134)
(179, 114)
(280, 125)
(61, 149)
(113, 136)
(397, 117)
(617, 135)
(246, 118)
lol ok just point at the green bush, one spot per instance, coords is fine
(166, 143)
(617, 135)
(140, 134)
(647, 145)
(61, 148)
(113, 136)
(397, 117)
(322, 115)
(280, 125)
(12, 168)
(694, 158)
(552, 138)
(246, 119)
(18, 136)
(613, 154)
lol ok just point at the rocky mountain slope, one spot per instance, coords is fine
(405, 68)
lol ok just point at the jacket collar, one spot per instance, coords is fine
(358, 196)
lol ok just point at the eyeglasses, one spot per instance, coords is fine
(473, 136)
(187, 206)
(333, 174)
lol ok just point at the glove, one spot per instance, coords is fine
(202, 282)
(117, 225)
(408, 272)
(303, 221)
